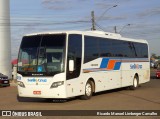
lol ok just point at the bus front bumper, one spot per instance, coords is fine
(42, 92)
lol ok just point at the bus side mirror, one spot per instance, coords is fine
(71, 65)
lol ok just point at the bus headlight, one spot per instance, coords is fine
(21, 84)
(56, 84)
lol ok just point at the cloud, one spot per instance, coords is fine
(150, 12)
(57, 4)
(62, 4)
(122, 17)
(102, 4)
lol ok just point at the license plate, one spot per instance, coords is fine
(5, 81)
(37, 92)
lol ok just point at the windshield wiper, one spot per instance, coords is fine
(43, 57)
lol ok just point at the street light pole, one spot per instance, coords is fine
(105, 12)
(93, 17)
(124, 27)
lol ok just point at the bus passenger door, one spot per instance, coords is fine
(74, 60)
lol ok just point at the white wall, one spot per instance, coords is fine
(5, 40)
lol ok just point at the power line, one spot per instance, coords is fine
(42, 23)
(99, 27)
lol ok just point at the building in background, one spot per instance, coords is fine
(5, 40)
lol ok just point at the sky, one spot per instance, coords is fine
(29, 16)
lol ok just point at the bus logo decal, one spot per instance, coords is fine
(37, 80)
(135, 66)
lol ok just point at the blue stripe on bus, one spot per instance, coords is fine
(104, 63)
(117, 66)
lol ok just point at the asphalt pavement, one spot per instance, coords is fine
(146, 97)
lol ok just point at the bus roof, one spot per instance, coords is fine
(92, 33)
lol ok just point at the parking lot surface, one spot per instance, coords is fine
(146, 97)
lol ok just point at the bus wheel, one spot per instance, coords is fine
(88, 91)
(135, 83)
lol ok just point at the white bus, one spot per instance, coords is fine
(79, 63)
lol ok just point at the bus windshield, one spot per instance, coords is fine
(42, 54)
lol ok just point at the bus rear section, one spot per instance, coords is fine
(115, 62)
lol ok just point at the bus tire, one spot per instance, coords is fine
(135, 83)
(88, 90)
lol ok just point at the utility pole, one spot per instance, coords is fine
(93, 21)
(5, 39)
(115, 29)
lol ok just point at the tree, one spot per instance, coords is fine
(153, 55)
